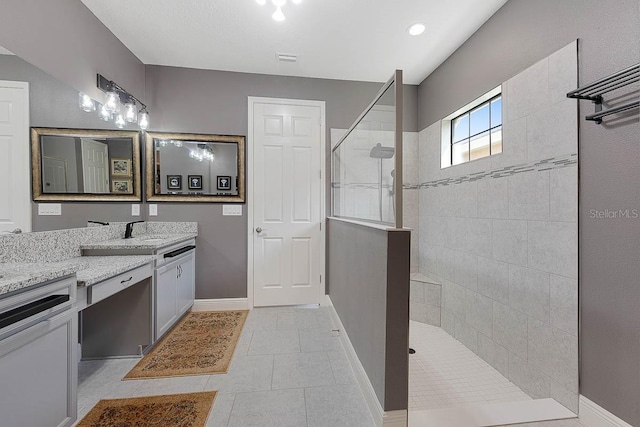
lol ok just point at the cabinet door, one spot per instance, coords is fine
(166, 298)
(186, 284)
(39, 374)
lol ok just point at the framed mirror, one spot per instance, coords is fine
(77, 165)
(195, 168)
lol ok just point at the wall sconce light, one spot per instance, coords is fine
(115, 97)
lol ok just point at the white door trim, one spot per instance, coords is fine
(251, 100)
(25, 189)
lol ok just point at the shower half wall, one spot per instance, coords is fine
(498, 237)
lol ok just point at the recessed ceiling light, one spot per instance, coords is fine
(416, 29)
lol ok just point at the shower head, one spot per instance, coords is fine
(380, 152)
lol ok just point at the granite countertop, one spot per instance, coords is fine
(17, 276)
(144, 241)
(89, 270)
(98, 268)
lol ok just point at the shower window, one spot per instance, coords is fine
(474, 131)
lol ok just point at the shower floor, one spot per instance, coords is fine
(443, 373)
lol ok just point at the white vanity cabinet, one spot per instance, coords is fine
(38, 368)
(175, 287)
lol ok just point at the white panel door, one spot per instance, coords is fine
(287, 183)
(15, 191)
(95, 166)
(54, 172)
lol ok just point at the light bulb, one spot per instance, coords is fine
(143, 120)
(120, 121)
(112, 102)
(417, 29)
(103, 114)
(279, 3)
(86, 103)
(130, 112)
(278, 15)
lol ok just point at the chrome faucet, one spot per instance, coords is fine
(98, 222)
(129, 230)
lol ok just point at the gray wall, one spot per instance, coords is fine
(63, 38)
(518, 35)
(369, 273)
(205, 101)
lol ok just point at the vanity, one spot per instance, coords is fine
(106, 297)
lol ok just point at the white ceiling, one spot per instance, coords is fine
(336, 39)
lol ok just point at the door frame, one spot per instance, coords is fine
(24, 150)
(251, 101)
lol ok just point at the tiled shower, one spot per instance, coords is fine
(494, 245)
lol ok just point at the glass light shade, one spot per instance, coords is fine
(130, 112)
(120, 121)
(297, 1)
(86, 103)
(261, 2)
(279, 3)
(278, 15)
(112, 102)
(103, 114)
(143, 120)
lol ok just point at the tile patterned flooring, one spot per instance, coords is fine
(444, 373)
(288, 370)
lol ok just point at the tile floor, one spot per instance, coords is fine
(288, 370)
(444, 373)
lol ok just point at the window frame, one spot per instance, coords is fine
(471, 136)
(446, 128)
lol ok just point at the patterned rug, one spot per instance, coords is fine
(201, 343)
(179, 410)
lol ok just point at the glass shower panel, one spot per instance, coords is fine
(363, 165)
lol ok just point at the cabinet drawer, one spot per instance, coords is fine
(105, 289)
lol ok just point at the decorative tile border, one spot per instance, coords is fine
(538, 166)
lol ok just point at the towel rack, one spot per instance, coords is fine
(594, 91)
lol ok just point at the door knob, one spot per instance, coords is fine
(258, 230)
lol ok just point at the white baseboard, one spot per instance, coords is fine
(593, 415)
(221, 304)
(380, 417)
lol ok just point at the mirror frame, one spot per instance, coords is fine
(36, 166)
(151, 195)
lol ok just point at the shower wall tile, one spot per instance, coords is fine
(410, 145)
(416, 292)
(528, 92)
(502, 231)
(563, 194)
(532, 381)
(448, 321)
(479, 312)
(529, 196)
(510, 329)
(453, 298)
(553, 247)
(432, 294)
(564, 304)
(486, 349)
(417, 311)
(555, 353)
(493, 279)
(465, 197)
(466, 334)
(502, 360)
(564, 397)
(478, 236)
(466, 270)
(529, 292)
(510, 241)
(553, 131)
(563, 69)
(493, 198)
